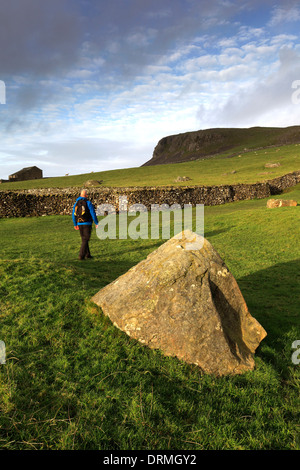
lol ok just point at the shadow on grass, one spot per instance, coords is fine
(213, 233)
(107, 265)
(272, 296)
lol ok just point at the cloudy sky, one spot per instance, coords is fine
(92, 85)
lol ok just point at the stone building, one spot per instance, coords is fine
(30, 173)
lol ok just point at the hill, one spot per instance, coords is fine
(205, 143)
(245, 167)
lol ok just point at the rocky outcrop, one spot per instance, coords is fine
(91, 183)
(209, 142)
(184, 301)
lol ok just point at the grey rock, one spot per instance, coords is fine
(183, 300)
(272, 203)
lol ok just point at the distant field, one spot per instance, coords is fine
(249, 167)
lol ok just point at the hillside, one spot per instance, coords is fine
(248, 167)
(205, 143)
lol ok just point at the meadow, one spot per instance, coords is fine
(246, 167)
(73, 381)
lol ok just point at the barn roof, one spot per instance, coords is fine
(25, 170)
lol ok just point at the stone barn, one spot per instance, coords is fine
(30, 173)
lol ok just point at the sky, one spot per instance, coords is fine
(93, 85)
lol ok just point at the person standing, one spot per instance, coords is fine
(83, 216)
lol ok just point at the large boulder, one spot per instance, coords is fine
(272, 203)
(183, 300)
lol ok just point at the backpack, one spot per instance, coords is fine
(82, 213)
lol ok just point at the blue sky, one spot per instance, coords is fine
(93, 85)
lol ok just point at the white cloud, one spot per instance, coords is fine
(285, 14)
(126, 77)
(264, 101)
(198, 63)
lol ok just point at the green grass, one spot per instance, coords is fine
(247, 168)
(74, 381)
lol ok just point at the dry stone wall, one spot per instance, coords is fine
(40, 202)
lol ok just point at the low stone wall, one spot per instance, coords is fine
(39, 202)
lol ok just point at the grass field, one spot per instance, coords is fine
(74, 381)
(247, 168)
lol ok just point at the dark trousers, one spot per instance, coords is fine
(85, 233)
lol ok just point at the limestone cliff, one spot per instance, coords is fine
(205, 143)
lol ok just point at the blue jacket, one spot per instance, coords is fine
(91, 209)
